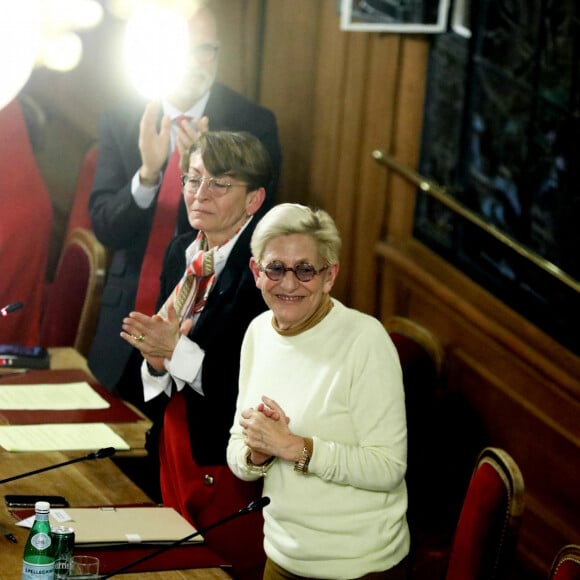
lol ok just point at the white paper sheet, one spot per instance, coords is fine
(52, 397)
(60, 437)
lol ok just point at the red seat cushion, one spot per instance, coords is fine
(567, 569)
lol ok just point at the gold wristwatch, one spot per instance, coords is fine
(301, 464)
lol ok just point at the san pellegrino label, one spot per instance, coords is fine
(38, 560)
(36, 571)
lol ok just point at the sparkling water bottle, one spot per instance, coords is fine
(38, 560)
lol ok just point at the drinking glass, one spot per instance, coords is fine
(85, 568)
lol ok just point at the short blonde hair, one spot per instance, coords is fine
(293, 218)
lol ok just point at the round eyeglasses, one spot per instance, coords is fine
(216, 186)
(304, 271)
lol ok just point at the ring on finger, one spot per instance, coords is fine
(139, 338)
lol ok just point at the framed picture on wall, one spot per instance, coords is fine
(425, 16)
(460, 18)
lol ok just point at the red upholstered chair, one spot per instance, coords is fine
(566, 565)
(79, 215)
(431, 522)
(485, 537)
(73, 299)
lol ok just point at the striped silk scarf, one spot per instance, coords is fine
(191, 292)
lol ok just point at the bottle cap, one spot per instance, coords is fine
(42, 506)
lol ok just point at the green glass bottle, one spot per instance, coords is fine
(38, 560)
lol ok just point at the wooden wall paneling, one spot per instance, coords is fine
(348, 169)
(239, 29)
(328, 108)
(519, 394)
(485, 311)
(533, 551)
(406, 142)
(378, 123)
(290, 57)
(332, 105)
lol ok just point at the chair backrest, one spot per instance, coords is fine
(79, 214)
(73, 299)
(421, 357)
(484, 542)
(566, 565)
(419, 349)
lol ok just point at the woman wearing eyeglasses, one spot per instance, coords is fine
(192, 345)
(320, 413)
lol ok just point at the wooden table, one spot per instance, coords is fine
(67, 358)
(86, 483)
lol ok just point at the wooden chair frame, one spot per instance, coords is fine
(98, 266)
(569, 553)
(419, 334)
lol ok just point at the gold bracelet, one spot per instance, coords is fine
(259, 469)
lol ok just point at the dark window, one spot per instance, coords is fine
(502, 136)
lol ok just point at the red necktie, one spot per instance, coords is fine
(162, 230)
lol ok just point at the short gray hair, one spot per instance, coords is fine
(292, 218)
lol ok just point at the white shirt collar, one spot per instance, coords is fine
(196, 112)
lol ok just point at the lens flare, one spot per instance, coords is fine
(156, 50)
(19, 42)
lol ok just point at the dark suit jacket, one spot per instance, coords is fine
(232, 303)
(124, 228)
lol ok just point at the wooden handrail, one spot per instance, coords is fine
(439, 193)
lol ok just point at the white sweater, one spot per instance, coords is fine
(340, 383)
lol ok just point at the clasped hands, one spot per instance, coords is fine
(155, 336)
(266, 433)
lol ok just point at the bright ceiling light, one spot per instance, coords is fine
(156, 49)
(62, 53)
(65, 15)
(123, 9)
(40, 32)
(19, 41)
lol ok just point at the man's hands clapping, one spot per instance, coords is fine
(154, 143)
